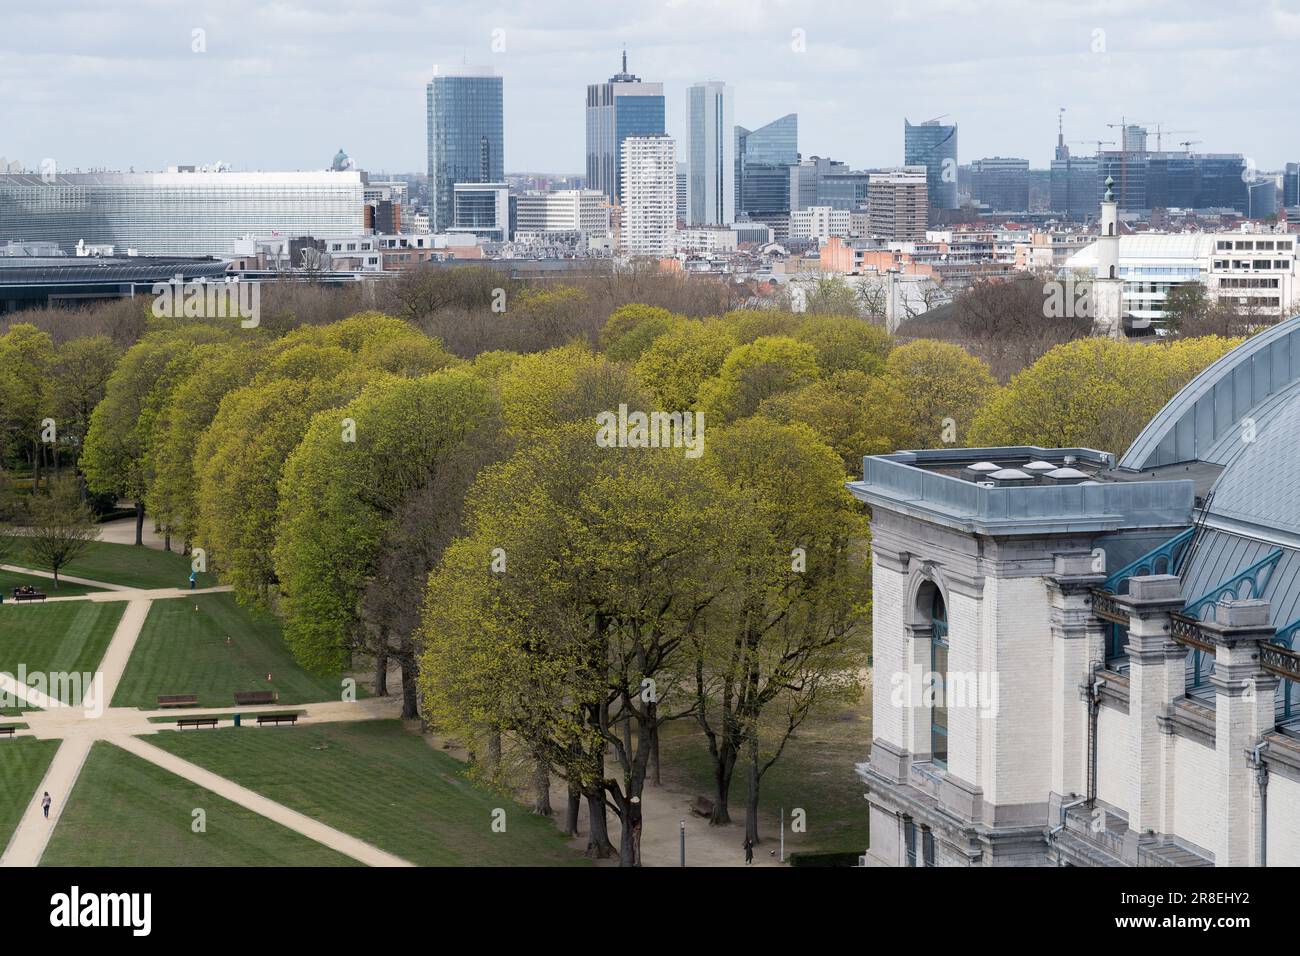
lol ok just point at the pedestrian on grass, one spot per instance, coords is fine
(45, 804)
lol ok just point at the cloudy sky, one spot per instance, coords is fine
(282, 85)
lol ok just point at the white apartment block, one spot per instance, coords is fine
(649, 213)
(820, 223)
(562, 211)
(707, 241)
(1087, 661)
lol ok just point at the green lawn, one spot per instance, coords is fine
(381, 783)
(125, 811)
(183, 651)
(127, 565)
(70, 636)
(12, 579)
(815, 773)
(22, 765)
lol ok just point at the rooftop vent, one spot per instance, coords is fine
(1011, 477)
(1065, 476)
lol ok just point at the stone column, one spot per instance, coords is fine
(1077, 640)
(1155, 679)
(1244, 702)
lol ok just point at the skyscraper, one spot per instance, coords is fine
(710, 155)
(649, 177)
(466, 136)
(622, 107)
(763, 160)
(934, 146)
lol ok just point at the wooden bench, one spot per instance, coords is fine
(31, 596)
(702, 807)
(277, 719)
(7, 731)
(184, 722)
(178, 700)
(245, 698)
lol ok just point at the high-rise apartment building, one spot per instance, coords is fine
(934, 146)
(466, 136)
(898, 203)
(763, 160)
(649, 210)
(622, 107)
(710, 155)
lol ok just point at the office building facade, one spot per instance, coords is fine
(1000, 184)
(710, 155)
(621, 107)
(179, 213)
(482, 209)
(898, 203)
(562, 211)
(934, 146)
(764, 157)
(466, 136)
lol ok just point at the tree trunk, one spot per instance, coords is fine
(410, 700)
(167, 540)
(598, 845)
(751, 803)
(652, 709)
(723, 769)
(139, 523)
(571, 811)
(381, 674)
(494, 750)
(542, 788)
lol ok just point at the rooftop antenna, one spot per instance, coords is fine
(624, 57)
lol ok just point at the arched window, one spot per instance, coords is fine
(939, 675)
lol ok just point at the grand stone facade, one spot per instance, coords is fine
(1087, 662)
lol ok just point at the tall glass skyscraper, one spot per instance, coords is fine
(710, 155)
(763, 160)
(466, 136)
(934, 146)
(622, 107)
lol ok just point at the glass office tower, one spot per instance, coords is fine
(763, 160)
(710, 155)
(179, 213)
(466, 136)
(934, 146)
(622, 107)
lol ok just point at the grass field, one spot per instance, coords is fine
(380, 783)
(22, 765)
(69, 636)
(815, 773)
(126, 565)
(124, 811)
(183, 651)
(12, 579)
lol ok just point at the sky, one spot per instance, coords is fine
(144, 84)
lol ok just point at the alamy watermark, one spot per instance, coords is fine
(624, 429)
(179, 299)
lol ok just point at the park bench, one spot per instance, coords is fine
(277, 719)
(6, 731)
(184, 722)
(31, 596)
(702, 807)
(178, 700)
(245, 698)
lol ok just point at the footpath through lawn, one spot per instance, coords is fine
(23, 762)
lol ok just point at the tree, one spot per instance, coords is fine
(562, 385)
(390, 501)
(753, 372)
(785, 634)
(25, 357)
(61, 526)
(1185, 306)
(607, 563)
(632, 329)
(79, 376)
(1093, 393)
(750, 324)
(943, 387)
(1009, 323)
(8, 515)
(854, 413)
(676, 364)
(846, 344)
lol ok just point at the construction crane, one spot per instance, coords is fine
(1189, 143)
(1099, 143)
(1160, 131)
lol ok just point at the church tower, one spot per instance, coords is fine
(1107, 286)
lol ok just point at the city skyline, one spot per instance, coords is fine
(357, 78)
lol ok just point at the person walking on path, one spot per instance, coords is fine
(45, 804)
(749, 851)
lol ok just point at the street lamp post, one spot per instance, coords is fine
(682, 826)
